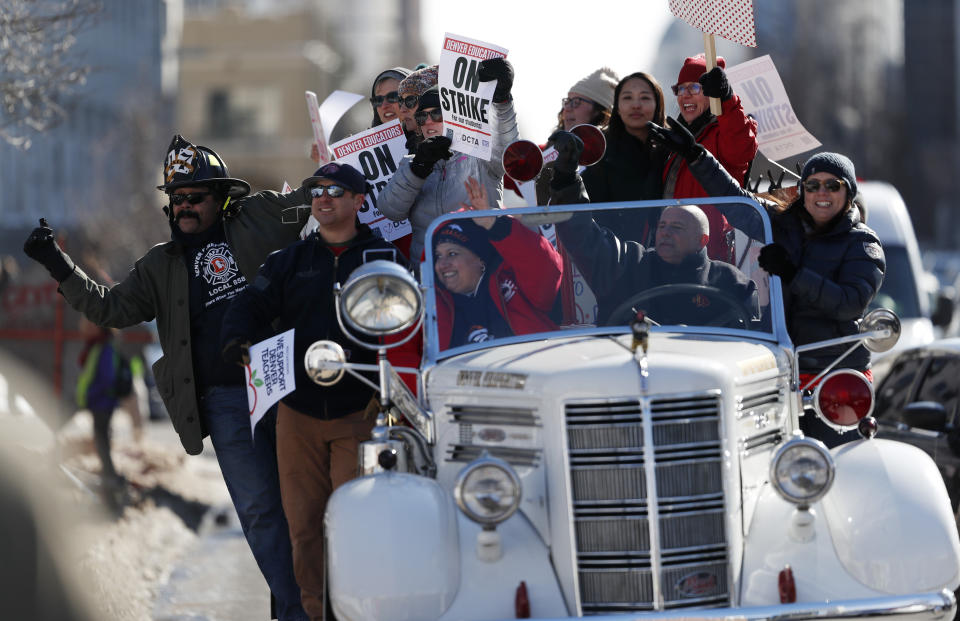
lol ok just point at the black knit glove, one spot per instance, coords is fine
(236, 352)
(569, 147)
(42, 247)
(429, 152)
(775, 260)
(677, 139)
(501, 70)
(715, 84)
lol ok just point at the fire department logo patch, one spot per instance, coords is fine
(179, 161)
(873, 250)
(217, 265)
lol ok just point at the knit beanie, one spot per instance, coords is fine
(598, 86)
(696, 66)
(465, 233)
(418, 81)
(430, 98)
(834, 164)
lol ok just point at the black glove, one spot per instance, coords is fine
(429, 152)
(569, 147)
(42, 247)
(715, 84)
(236, 352)
(677, 139)
(775, 260)
(501, 70)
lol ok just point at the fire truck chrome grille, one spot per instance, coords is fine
(609, 454)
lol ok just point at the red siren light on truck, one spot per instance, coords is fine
(843, 398)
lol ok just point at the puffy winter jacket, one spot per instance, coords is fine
(422, 200)
(839, 270)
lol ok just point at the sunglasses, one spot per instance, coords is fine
(692, 88)
(830, 185)
(333, 191)
(410, 101)
(194, 198)
(391, 97)
(574, 102)
(436, 115)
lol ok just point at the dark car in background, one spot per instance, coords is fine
(918, 402)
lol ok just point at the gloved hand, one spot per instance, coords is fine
(42, 247)
(569, 147)
(775, 260)
(677, 139)
(715, 84)
(501, 70)
(236, 352)
(429, 152)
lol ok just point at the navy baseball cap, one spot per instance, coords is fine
(344, 174)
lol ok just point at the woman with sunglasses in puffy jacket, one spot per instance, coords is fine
(430, 182)
(830, 264)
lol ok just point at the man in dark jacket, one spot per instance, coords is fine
(319, 428)
(619, 271)
(186, 284)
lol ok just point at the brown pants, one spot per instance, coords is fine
(314, 457)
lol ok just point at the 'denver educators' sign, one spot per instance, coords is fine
(376, 153)
(465, 100)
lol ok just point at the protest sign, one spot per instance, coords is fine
(465, 100)
(323, 118)
(269, 374)
(779, 132)
(376, 153)
(313, 109)
(730, 19)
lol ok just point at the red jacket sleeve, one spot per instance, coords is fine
(534, 261)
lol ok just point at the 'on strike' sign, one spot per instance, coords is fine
(465, 100)
(376, 153)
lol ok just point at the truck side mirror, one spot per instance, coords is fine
(928, 415)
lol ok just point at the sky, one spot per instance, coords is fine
(552, 45)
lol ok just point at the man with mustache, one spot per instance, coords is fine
(219, 237)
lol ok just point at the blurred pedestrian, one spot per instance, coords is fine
(219, 237)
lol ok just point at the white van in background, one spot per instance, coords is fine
(908, 290)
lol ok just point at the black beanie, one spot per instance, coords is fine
(429, 99)
(834, 164)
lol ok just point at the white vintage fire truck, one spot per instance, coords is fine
(645, 467)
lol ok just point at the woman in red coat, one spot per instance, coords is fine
(730, 137)
(494, 278)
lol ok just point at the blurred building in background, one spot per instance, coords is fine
(245, 66)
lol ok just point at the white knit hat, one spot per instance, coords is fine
(598, 86)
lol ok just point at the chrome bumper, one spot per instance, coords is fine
(936, 605)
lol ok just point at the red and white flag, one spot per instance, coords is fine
(730, 19)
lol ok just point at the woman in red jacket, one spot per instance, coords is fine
(494, 278)
(730, 137)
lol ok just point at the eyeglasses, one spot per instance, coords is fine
(830, 185)
(333, 191)
(436, 115)
(574, 102)
(194, 198)
(410, 101)
(391, 97)
(690, 88)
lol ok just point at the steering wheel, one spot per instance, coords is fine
(735, 314)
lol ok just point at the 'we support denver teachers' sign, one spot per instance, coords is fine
(376, 153)
(465, 100)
